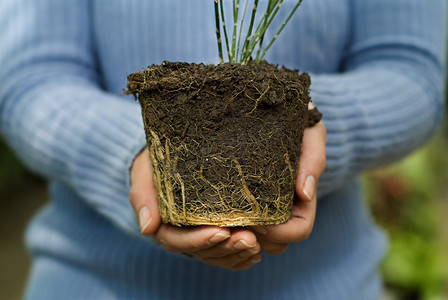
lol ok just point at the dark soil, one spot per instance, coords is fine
(224, 140)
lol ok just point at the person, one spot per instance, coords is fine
(377, 74)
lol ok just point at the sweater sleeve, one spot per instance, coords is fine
(53, 111)
(388, 98)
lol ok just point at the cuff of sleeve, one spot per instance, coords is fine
(131, 159)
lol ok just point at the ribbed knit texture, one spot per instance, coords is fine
(377, 72)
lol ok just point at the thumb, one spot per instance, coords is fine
(143, 194)
(312, 161)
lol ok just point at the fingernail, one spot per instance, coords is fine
(310, 105)
(248, 253)
(255, 260)
(261, 230)
(242, 245)
(144, 218)
(217, 238)
(309, 187)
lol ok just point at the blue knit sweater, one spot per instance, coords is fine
(377, 72)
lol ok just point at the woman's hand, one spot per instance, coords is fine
(276, 238)
(235, 249)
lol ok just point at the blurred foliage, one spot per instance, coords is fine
(12, 172)
(408, 200)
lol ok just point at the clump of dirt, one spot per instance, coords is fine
(224, 140)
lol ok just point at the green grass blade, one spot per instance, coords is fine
(255, 34)
(218, 32)
(280, 30)
(236, 8)
(245, 54)
(223, 21)
(262, 30)
(241, 31)
(269, 10)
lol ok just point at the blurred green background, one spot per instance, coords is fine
(21, 194)
(408, 200)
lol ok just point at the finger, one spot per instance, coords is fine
(272, 248)
(241, 241)
(234, 261)
(311, 166)
(143, 194)
(312, 161)
(311, 105)
(296, 229)
(247, 263)
(190, 240)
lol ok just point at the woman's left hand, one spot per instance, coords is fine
(275, 239)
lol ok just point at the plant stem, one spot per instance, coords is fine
(218, 32)
(261, 30)
(245, 52)
(271, 5)
(280, 30)
(241, 29)
(236, 8)
(255, 35)
(229, 53)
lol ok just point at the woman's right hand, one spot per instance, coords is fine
(235, 249)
